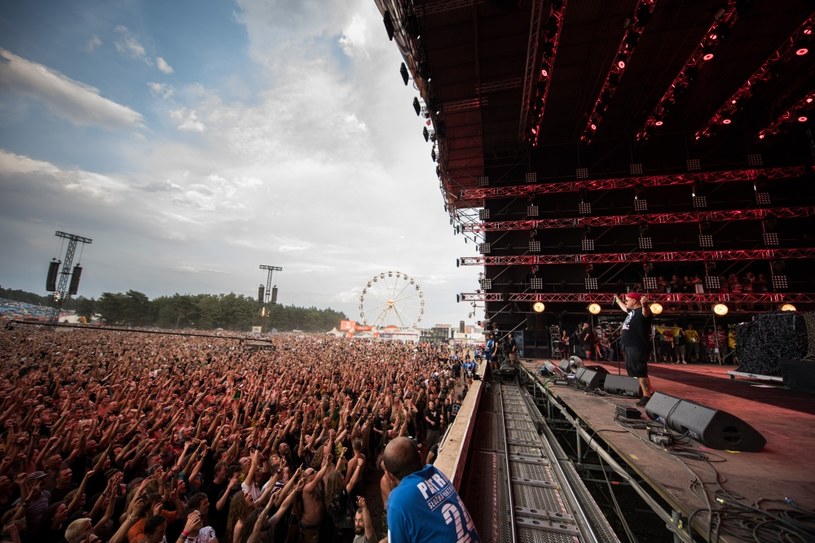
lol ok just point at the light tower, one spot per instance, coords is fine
(61, 290)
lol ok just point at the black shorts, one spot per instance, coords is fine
(636, 361)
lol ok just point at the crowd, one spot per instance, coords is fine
(136, 437)
(671, 343)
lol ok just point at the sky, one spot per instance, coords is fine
(194, 140)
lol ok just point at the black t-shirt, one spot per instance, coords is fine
(636, 330)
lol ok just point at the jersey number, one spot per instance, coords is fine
(454, 514)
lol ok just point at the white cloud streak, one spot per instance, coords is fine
(71, 100)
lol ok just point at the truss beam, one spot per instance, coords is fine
(653, 218)
(663, 298)
(637, 257)
(644, 181)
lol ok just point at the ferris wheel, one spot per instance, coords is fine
(391, 298)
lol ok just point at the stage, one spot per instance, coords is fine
(782, 470)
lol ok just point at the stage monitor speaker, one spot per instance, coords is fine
(565, 366)
(798, 374)
(593, 377)
(622, 384)
(712, 427)
(578, 374)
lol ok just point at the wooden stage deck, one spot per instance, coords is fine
(784, 469)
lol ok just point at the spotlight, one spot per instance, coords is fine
(802, 51)
(658, 123)
(788, 307)
(720, 309)
(538, 307)
(707, 56)
(803, 119)
(726, 121)
(656, 308)
(649, 283)
(594, 309)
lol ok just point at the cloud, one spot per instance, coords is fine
(93, 43)
(127, 44)
(71, 100)
(355, 37)
(163, 66)
(161, 90)
(187, 120)
(130, 47)
(82, 184)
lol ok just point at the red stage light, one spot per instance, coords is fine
(707, 56)
(802, 119)
(761, 135)
(621, 64)
(658, 123)
(544, 73)
(726, 121)
(593, 126)
(802, 51)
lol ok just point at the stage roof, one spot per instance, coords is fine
(555, 87)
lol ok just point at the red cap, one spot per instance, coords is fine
(634, 296)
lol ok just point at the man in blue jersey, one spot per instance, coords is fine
(424, 506)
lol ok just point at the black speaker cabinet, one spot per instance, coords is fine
(798, 374)
(621, 384)
(593, 377)
(712, 427)
(565, 366)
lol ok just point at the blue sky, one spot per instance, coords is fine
(193, 140)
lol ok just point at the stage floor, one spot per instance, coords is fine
(784, 469)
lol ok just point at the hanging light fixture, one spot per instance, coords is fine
(594, 309)
(656, 308)
(720, 309)
(538, 307)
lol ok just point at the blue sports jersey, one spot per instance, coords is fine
(425, 507)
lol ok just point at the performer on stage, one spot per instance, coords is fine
(635, 340)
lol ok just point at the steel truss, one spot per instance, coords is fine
(653, 218)
(637, 257)
(663, 298)
(630, 182)
(703, 52)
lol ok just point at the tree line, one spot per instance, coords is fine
(201, 311)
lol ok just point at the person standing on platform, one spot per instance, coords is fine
(423, 506)
(692, 342)
(635, 339)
